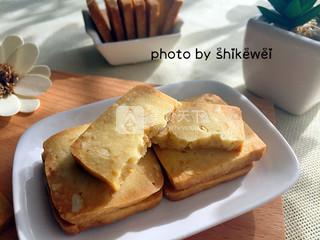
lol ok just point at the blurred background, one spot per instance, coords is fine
(58, 28)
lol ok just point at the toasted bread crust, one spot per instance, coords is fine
(175, 195)
(104, 219)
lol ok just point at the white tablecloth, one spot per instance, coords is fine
(57, 27)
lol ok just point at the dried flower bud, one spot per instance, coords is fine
(8, 79)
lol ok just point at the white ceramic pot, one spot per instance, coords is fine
(291, 78)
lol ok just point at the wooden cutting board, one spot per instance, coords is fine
(69, 91)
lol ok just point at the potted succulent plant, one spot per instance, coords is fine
(291, 77)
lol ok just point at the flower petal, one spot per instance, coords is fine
(32, 85)
(9, 106)
(9, 45)
(28, 105)
(41, 69)
(23, 58)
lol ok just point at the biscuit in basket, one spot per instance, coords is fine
(153, 17)
(168, 23)
(203, 125)
(168, 12)
(99, 20)
(164, 7)
(81, 201)
(140, 18)
(127, 10)
(6, 212)
(116, 23)
(191, 171)
(117, 140)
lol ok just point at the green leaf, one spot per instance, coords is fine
(307, 4)
(278, 5)
(306, 17)
(274, 17)
(293, 9)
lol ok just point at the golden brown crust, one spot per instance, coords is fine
(176, 195)
(171, 16)
(99, 20)
(117, 26)
(104, 219)
(140, 18)
(6, 212)
(208, 98)
(153, 16)
(127, 12)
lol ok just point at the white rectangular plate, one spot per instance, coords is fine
(275, 173)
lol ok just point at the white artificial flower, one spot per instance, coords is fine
(21, 82)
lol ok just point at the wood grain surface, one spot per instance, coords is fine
(69, 91)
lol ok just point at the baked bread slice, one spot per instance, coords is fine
(199, 124)
(193, 170)
(191, 167)
(100, 21)
(115, 19)
(103, 219)
(127, 11)
(6, 212)
(175, 195)
(81, 200)
(117, 140)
